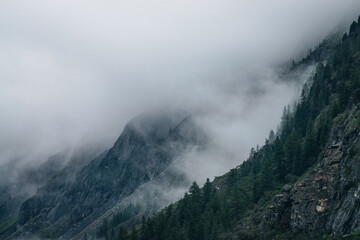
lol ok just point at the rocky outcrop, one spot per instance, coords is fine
(277, 213)
(326, 200)
(19, 182)
(313, 197)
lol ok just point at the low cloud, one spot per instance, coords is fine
(74, 72)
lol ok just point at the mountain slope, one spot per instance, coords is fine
(326, 199)
(19, 183)
(302, 185)
(20, 180)
(73, 200)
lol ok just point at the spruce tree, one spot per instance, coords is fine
(279, 160)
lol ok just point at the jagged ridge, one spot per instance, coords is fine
(73, 199)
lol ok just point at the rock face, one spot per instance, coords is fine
(19, 182)
(76, 198)
(327, 198)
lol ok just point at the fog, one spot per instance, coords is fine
(74, 72)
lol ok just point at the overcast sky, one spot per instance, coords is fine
(77, 71)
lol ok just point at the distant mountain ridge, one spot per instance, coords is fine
(74, 198)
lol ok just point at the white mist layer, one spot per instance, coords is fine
(74, 73)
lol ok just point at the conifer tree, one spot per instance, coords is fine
(279, 160)
(134, 235)
(266, 178)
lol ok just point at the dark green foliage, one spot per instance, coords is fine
(134, 234)
(298, 166)
(201, 214)
(125, 215)
(279, 160)
(266, 176)
(103, 230)
(122, 234)
(106, 229)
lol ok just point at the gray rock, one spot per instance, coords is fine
(327, 198)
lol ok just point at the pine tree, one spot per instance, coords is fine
(134, 235)
(279, 160)
(195, 199)
(266, 176)
(207, 192)
(122, 234)
(310, 149)
(298, 164)
(272, 136)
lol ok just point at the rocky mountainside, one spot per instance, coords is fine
(326, 200)
(76, 197)
(20, 180)
(18, 183)
(304, 183)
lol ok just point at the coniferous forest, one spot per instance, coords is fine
(216, 210)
